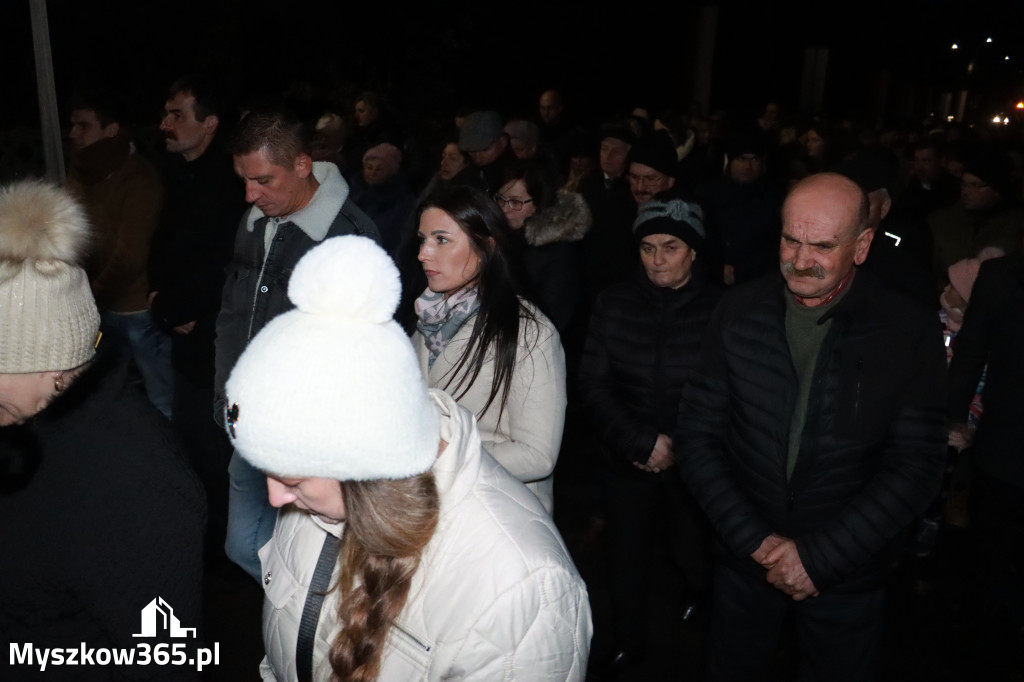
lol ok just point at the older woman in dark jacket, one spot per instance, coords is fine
(643, 341)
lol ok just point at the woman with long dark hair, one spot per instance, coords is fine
(402, 550)
(477, 339)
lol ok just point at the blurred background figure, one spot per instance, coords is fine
(547, 228)
(122, 195)
(383, 193)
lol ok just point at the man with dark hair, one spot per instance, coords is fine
(122, 195)
(930, 187)
(190, 251)
(192, 116)
(812, 434)
(296, 204)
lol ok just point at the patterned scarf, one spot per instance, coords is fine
(441, 318)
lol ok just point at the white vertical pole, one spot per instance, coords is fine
(49, 118)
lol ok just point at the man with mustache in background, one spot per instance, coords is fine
(812, 436)
(190, 251)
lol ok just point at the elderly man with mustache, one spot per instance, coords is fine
(812, 435)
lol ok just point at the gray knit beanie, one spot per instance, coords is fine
(665, 214)
(48, 318)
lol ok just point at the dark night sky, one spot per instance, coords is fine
(439, 55)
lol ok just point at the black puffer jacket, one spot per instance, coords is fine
(873, 446)
(642, 345)
(993, 333)
(105, 517)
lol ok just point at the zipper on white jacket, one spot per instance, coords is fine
(415, 640)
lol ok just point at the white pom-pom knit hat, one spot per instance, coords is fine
(48, 318)
(333, 389)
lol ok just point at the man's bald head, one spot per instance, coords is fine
(824, 234)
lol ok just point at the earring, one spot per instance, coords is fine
(58, 383)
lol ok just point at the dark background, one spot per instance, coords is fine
(886, 61)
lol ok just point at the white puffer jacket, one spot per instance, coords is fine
(525, 439)
(496, 596)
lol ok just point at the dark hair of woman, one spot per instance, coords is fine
(540, 184)
(388, 523)
(496, 325)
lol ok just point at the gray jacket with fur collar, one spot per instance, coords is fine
(256, 289)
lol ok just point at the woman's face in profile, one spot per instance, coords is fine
(814, 144)
(319, 496)
(516, 192)
(452, 161)
(446, 252)
(23, 395)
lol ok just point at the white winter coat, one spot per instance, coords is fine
(496, 596)
(527, 437)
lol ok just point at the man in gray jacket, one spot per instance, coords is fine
(296, 204)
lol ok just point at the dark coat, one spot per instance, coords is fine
(105, 518)
(642, 345)
(609, 249)
(748, 222)
(190, 252)
(993, 333)
(873, 445)
(389, 205)
(549, 246)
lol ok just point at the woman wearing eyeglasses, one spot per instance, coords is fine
(547, 227)
(477, 339)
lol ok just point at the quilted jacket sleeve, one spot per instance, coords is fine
(626, 434)
(905, 484)
(537, 630)
(704, 413)
(535, 408)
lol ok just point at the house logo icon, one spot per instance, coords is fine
(158, 617)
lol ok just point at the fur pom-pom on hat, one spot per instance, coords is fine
(333, 388)
(39, 221)
(48, 318)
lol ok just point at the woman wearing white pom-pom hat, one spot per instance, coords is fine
(496, 354)
(447, 567)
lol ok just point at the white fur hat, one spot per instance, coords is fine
(333, 388)
(48, 318)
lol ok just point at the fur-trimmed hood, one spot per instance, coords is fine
(568, 220)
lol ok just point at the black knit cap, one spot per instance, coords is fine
(667, 214)
(657, 151)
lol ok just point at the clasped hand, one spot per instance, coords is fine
(786, 571)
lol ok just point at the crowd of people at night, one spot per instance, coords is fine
(359, 361)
